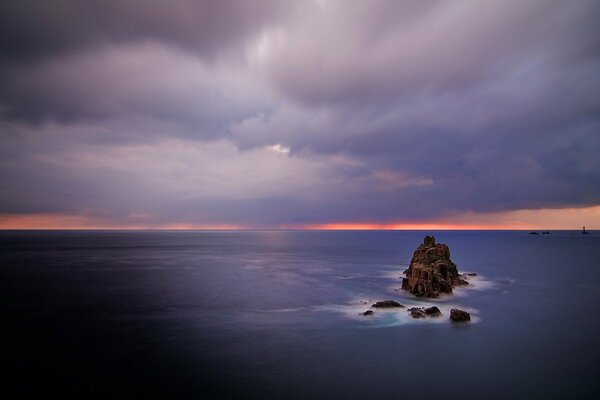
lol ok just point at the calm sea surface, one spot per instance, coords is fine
(275, 315)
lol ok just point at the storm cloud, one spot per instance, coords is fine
(271, 114)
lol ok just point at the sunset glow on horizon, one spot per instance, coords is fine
(556, 219)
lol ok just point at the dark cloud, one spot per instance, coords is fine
(149, 81)
(121, 56)
(276, 113)
(31, 29)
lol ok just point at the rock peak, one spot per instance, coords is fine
(429, 241)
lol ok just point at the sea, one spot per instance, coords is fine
(278, 315)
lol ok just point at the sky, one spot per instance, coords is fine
(322, 114)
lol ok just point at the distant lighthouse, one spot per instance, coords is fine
(584, 232)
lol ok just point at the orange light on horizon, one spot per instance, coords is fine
(554, 219)
(409, 227)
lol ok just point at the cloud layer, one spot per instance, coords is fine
(279, 113)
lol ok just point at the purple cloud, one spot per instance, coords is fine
(273, 113)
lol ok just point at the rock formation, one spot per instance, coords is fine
(422, 312)
(457, 315)
(387, 304)
(433, 311)
(416, 312)
(431, 271)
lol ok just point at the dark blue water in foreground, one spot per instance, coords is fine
(274, 315)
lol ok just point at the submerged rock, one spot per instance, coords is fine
(368, 313)
(457, 315)
(431, 271)
(422, 312)
(387, 304)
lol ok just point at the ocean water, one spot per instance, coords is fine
(276, 315)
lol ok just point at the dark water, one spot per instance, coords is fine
(274, 315)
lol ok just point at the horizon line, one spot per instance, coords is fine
(292, 229)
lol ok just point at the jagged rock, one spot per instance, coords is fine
(457, 315)
(387, 304)
(368, 313)
(461, 282)
(433, 311)
(471, 274)
(422, 312)
(431, 271)
(417, 313)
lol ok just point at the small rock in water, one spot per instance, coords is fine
(471, 274)
(462, 282)
(387, 304)
(368, 313)
(422, 312)
(457, 315)
(433, 311)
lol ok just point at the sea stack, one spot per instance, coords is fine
(431, 271)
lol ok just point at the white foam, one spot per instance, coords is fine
(389, 317)
(478, 283)
(394, 274)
